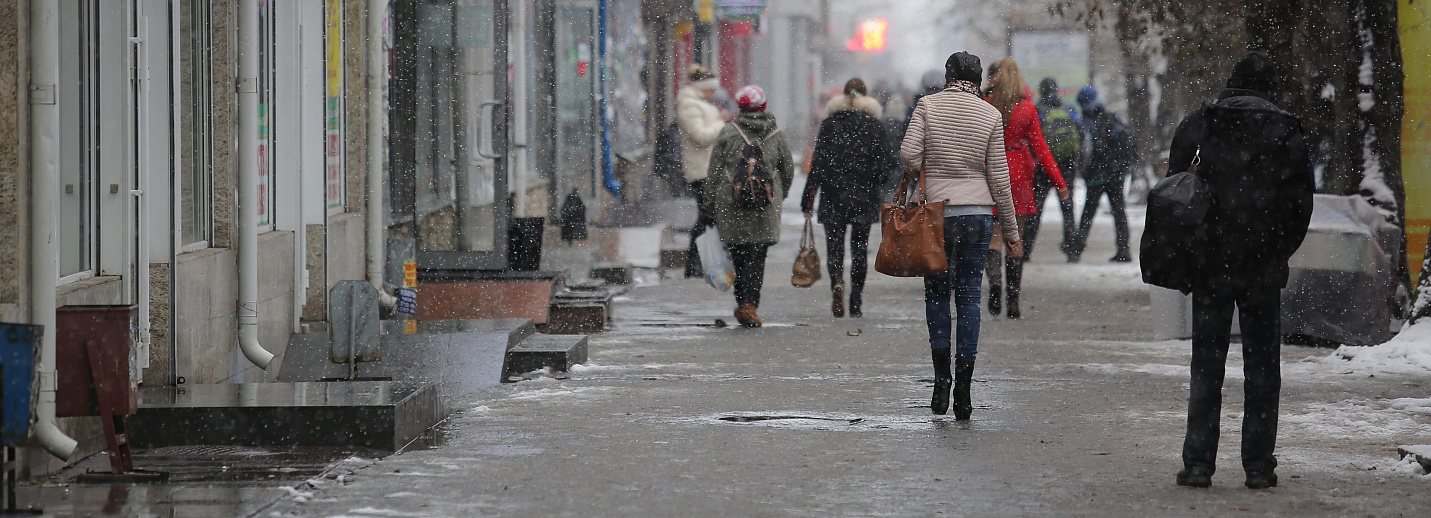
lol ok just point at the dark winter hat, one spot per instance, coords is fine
(1048, 87)
(1086, 95)
(1255, 71)
(963, 66)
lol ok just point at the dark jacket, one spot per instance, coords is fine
(739, 226)
(850, 163)
(1109, 153)
(1259, 175)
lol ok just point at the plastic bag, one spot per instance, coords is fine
(720, 272)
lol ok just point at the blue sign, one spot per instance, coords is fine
(407, 301)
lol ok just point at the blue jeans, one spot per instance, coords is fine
(966, 242)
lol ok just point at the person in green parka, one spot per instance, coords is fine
(748, 233)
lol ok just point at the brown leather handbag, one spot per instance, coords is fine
(807, 263)
(911, 235)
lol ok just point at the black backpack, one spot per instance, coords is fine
(750, 176)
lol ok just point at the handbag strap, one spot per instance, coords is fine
(807, 236)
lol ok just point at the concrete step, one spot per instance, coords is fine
(557, 352)
(614, 273)
(383, 415)
(460, 356)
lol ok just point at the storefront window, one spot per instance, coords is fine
(77, 172)
(196, 78)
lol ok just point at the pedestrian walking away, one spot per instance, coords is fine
(1108, 156)
(700, 124)
(1254, 162)
(749, 176)
(847, 170)
(1024, 143)
(1065, 140)
(957, 139)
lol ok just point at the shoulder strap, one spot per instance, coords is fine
(742, 133)
(772, 134)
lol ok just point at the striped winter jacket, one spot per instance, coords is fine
(959, 139)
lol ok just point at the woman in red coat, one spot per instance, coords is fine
(1023, 141)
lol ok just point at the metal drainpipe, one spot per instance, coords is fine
(44, 210)
(247, 91)
(377, 86)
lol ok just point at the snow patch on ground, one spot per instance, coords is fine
(1157, 369)
(1391, 421)
(1108, 277)
(548, 393)
(1408, 353)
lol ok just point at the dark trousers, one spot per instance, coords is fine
(966, 242)
(1116, 203)
(749, 262)
(1042, 188)
(1012, 275)
(859, 250)
(693, 258)
(1259, 313)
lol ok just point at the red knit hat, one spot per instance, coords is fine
(750, 98)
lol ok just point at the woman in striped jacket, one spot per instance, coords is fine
(958, 139)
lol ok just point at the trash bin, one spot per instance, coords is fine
(111, 329)
(524, 243)
(19, 356)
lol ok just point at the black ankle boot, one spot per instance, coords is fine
(939, 403)
(963, 377)
(1013, 310)
(1195, 476)
(996, 303)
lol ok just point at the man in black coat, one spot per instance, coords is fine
(1255, 162)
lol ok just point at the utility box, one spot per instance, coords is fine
(112, 330)
(19, 356)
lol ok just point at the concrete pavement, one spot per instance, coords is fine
(1077, 412)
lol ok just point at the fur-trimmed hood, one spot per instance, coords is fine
(842, 103)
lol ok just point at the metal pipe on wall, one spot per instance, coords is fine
(247, 91)
(377, 83)
(45, 210)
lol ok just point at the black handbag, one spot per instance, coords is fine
(1177, 208)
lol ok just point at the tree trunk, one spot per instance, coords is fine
(1380, 19)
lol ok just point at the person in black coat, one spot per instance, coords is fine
(848, 167)
(1109, 156)
(1259, 175)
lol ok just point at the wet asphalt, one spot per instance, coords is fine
(1078, 412)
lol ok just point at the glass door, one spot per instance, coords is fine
(458, 109)
(577, 124)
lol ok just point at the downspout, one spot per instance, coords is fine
(377, 86)
(247, 92)
(608, 173)
(44, 210)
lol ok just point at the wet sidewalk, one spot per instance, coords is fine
(1078, 412)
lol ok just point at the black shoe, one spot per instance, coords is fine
(1074, 258)
(939, 403)
(996, 303)
(1195, 477)
(1261, 479)
(1122, 257)
(963, 377)
(1013, 311)
(855, 305)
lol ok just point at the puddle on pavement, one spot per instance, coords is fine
(759, 418)
(817, 421)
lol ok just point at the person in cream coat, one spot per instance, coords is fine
(700, 122)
